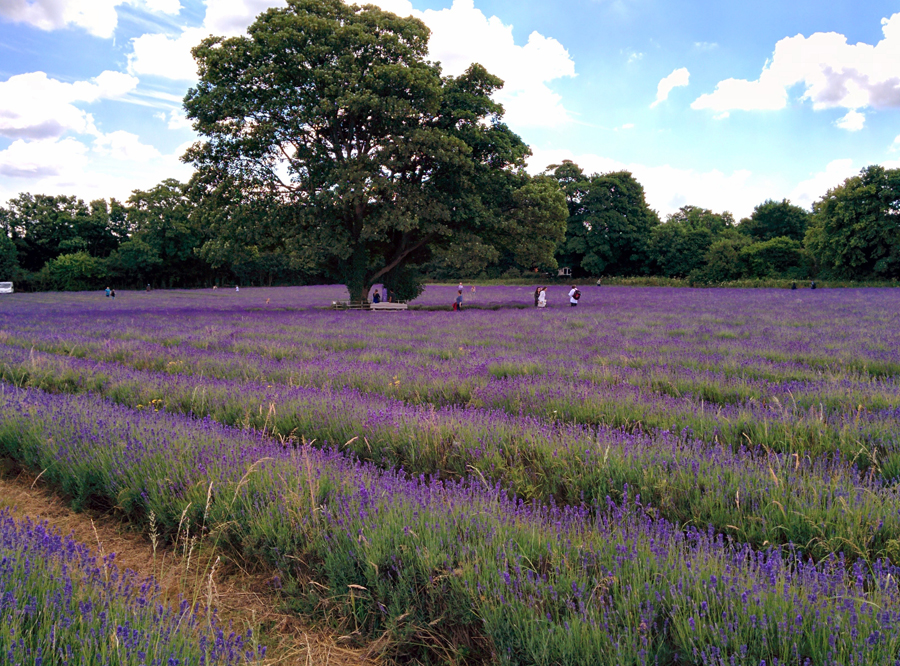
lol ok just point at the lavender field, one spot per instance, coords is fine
(659, 475)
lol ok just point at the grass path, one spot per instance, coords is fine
(241, 598)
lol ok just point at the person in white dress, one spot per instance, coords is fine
(542, 298)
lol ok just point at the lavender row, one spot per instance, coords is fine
(791, 379)
(525, 388)
(59, 604)
(825, 504)
(517, 582)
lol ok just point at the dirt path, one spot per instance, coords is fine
(242, 599)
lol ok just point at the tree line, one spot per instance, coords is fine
(163, 237)
(332, 150)
(852, 233)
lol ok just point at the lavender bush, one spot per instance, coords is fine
(59, 604)
(461, 565)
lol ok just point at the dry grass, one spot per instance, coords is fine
(242, 599)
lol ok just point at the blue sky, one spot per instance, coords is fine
(716, 104)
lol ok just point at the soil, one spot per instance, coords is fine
(243, 599)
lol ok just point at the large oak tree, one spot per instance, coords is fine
(329, 133)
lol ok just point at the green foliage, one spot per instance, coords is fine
(774, 219)
(723, 260)
(778, 257)
(854, 232)
(9, 260)
(609, 224)
(74, 272)
(134, 261)
(166, 234)
(680, 246)
(329, 117)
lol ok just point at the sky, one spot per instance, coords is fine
(715, 103)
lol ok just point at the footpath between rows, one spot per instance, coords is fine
(241, 598)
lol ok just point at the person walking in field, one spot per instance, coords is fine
(574, 295)
(457, 304)
(537, 295)
(542, 298)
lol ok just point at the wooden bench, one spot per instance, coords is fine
(350, 305)
(389, 306)
(365, 305)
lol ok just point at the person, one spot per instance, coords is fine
(542, 298)
(376, 297)
(812, 285)
(793, 286)
(457, 304)
(599, 281)
(574, 295)
(215, 286)
(473, 288)
(148, 286)
(384, 295)
(537, 295)
(112, 293)
(460, 287)
(107, 292)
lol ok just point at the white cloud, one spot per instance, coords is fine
(34, 106)
(813, 188)
(832, 72)
(121, 145)
(98, 17)
(164, 6)
(461, 35)
(679, 78)
(668, 188)
(895, 147)
(705, 46)
(177, 120)
(231, 17)
(164, 56)
(67, 167)
(852, 122)
(169, 57)
(634, 57)
(42, 159)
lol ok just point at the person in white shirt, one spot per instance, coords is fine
(542, 298)
(574, 295)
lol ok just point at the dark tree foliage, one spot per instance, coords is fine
(328, 117)
(777, 257)
(774, 219)
(165, 237)
(44, 227)
(855, 228)
(680, 246)
(9, 260)
(609, 226)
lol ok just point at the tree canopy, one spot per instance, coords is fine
(774, 219)
(329, 117)
(855, 229)
(609, 225)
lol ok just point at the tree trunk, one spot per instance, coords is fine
(357, 281)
